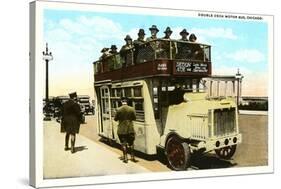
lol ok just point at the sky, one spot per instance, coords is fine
(75, 39)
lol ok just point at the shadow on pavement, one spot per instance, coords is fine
(210, 161)
(80, 148)
(206, 161)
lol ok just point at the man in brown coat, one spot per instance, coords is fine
(71, 119)
(126, 133)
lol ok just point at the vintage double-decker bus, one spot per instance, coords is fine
(180, 107)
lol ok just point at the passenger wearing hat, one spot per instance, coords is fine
(154, 30)
(184, 49)
(113, 60)
(168, 32)
(196, 50)
(71, 120)
(140, 39)
(105, 53)
(168, 46)
(153, 45)
(192, 38)
(126, 133)
(139, 44)
(113, 49)
(184, 35)
(126, 51)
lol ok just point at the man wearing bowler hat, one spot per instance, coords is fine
(71, 119)
(126, 133)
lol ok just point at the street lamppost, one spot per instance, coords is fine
(47, 56)
(239, 78)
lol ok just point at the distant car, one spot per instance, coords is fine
(50, 108)
(85, 101)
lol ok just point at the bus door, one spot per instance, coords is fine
(106, 123)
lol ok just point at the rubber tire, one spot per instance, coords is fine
(185, 150)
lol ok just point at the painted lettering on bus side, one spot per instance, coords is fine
(183, 66)
(162, 67)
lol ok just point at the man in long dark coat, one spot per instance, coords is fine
(71, 119)
(126, 133)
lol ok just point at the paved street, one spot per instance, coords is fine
(96, 157)
(91, 159)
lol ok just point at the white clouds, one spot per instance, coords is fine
(247, 55)
(75, 44)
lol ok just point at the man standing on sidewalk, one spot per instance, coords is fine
(71, 119)
(126, 133)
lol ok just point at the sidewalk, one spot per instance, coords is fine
(90, 159)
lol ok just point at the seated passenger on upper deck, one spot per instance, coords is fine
(196, 50)
(127, 51)
(184, 51)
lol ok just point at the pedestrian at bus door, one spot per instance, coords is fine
(126, 133)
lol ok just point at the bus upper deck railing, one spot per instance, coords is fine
(159, 49)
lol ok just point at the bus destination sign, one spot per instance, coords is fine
(191, 67)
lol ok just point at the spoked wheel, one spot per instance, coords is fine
(178, 154)
(226, 152)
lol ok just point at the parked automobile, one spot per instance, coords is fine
(85, 101)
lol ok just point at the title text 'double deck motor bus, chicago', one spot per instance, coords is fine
(180, 106)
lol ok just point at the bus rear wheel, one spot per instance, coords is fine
(178, 154)
(226, 152)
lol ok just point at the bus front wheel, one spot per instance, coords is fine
(178, 154)
(226, 152)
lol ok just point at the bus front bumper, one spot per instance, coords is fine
(218, 142)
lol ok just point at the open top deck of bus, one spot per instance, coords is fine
(164, 58)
